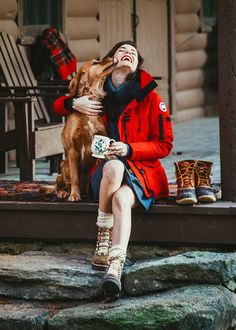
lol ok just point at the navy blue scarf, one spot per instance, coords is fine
(116, 99)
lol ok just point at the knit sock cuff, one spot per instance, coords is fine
(117, 250)
(104, 220)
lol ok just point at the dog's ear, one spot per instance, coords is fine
(79, 84)
(73, 86)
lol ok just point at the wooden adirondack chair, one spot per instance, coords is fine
(35, 136)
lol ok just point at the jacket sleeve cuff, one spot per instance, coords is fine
(68, 104)
(129, 151)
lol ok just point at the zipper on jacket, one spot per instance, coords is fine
(161, 127)
(126, 119)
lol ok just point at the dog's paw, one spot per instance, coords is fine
(74, 198)
(62, 194)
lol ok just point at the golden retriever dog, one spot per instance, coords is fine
(79, 130)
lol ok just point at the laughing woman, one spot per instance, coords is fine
(132, 175)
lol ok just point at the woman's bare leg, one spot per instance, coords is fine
(123, 201)
(112, 178)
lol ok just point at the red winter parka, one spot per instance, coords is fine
(145, 125)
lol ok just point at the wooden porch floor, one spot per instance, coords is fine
(49, 219)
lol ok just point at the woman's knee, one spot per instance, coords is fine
(113, 170)
(123, 198)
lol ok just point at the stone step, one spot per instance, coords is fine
(53, 290)
(22, 316)
(37, 276)
(191, 267)
(56, 276)
(194, 307)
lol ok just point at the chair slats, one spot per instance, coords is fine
(17, 71)
(30, 141)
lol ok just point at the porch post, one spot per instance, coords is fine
(227, 96)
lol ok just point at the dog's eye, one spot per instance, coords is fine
(94, 62)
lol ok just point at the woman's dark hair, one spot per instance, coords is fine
(132, 43)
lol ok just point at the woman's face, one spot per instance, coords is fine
(127, 56)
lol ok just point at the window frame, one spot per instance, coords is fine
(28, 33)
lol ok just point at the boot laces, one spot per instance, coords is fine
(116, 265)
(203, 174)
(103, 241)
(185, 173)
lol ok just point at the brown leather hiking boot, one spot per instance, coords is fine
(185, 179)
(203, 182)
(103, 245)
(112, 282)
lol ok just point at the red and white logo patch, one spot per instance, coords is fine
(162, 106)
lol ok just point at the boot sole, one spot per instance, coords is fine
(206, 199)
(186, 201)
(111, 287)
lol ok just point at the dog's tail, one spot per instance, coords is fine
(47, 189)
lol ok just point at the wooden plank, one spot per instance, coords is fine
(82, 8)
(187, 23)
(187, 6)
(189, 114)
(189, 79)
(6, 64)
(8, 140)
(115, 23)
(43, 147)
(11, 66)
(192, 98)
(85, 49)
(190, 60)
(154, 49)
(86, 28)
(191, 41)
(227, 96)
(30, 81)
(8, 9)
(201, 224)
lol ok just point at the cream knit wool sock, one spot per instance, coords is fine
(104, 220)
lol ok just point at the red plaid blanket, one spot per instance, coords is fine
(60, 54)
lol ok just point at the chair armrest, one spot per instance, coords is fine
(34, 90)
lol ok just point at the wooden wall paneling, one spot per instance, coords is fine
(152, 40)
(82, 8)
(187, 23)
(8, 12)
(115, 23)
(85, 49)
(8, 9)
(190, 41)
(194, 78)
(189, 79)
(189, 114)
(82, 28)
(192, 98)
(9, 26)
(190, 60)
(187, 6)
(172, 49)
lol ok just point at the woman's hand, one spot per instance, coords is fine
(117, 149)
(86, 106)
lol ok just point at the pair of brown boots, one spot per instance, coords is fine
(193, 182)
